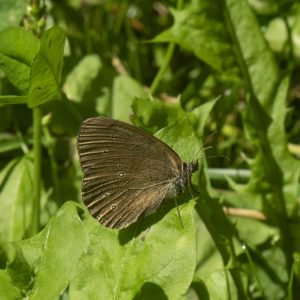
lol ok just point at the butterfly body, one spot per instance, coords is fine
(127, 172)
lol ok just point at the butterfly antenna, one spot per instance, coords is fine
(178, 212)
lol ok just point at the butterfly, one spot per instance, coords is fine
(127, 172)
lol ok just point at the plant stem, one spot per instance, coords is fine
(37, 169)
(53, 164)
(163, 68)
(222, 174)
(168, 57)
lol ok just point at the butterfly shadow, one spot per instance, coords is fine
(144, 223)
(149, 291)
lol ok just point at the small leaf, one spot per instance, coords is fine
(11, 12)
(15, 198)
(17, 50)
(154, 114)
(45, 73)
(200, 29)
(220, 286)
(125, 89)
(81, 77)
(8, 290)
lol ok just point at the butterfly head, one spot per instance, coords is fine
(184, 180)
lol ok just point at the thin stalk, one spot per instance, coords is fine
(53, 164)
(163, 68)
(168, 57)
(37, 149)
(222, 174)
(290, 286)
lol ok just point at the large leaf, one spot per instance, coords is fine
(159, 261)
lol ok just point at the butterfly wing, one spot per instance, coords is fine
(127, 171)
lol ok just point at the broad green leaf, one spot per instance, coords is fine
(45, 72)
(11, 12)
(256, 59)
(8, 291)
(267, 276)
(125, 90)
(200, 29)
(286, 170)
(89, 84)
(16, 194)
(158, 261)
(80, 79)
(17, 50)
(53, 254)
(154, 114)
(220, 286)
(130, 264)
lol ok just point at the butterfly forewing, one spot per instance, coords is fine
(127, 171)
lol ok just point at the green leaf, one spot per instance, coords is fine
(11, 12)
(286, 170)
(89, 84)
(149, 263)
(256, 59)
(80, 79)
(154, 114)
(54, 253)
(9, 143)
(297, 264)
(16, 180)
(17, 50)
(45, 72)
(220, 286)
(200, 114)
(200, 29)
(8, 291)
(131, 264)
(125, 89)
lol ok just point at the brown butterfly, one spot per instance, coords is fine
(127, 171)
